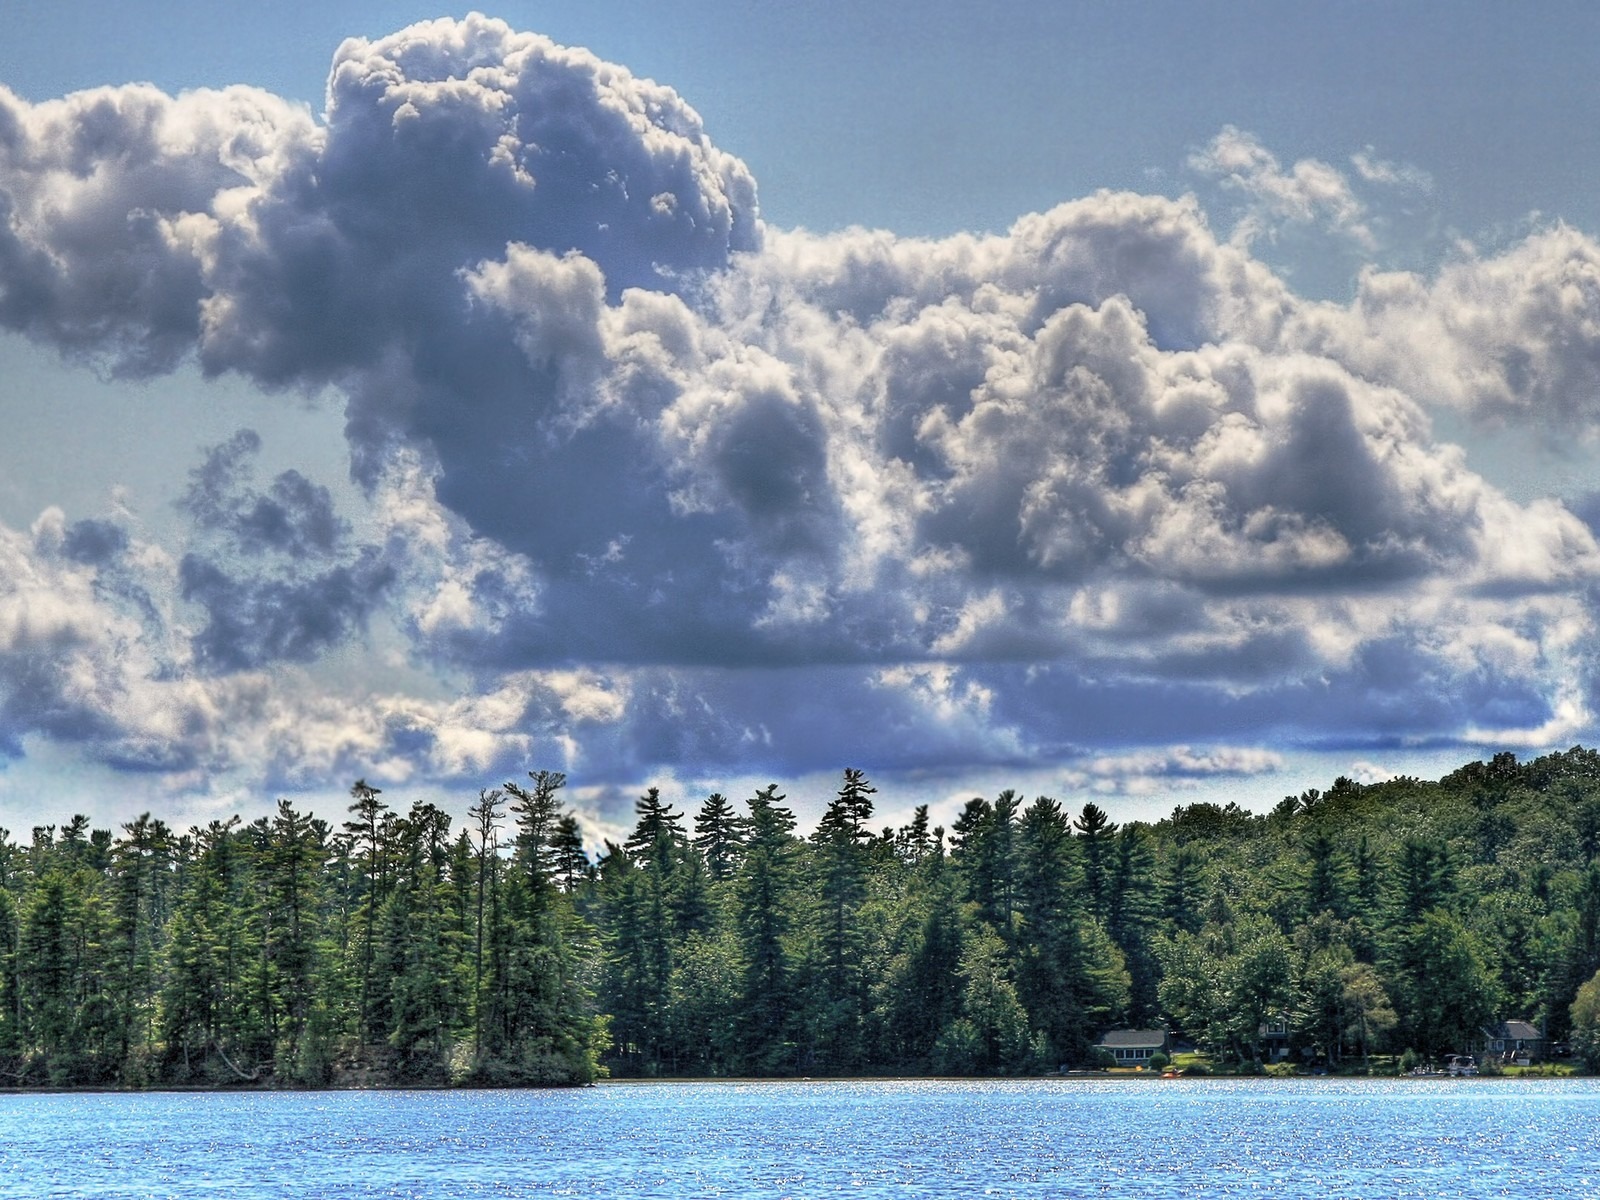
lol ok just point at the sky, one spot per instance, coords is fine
(1143, 404)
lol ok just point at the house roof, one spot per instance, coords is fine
(1134, 1039)
(1515, 1031)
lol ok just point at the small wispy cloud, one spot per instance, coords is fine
(1401, 176)
(1149, 771)
(1310, 192)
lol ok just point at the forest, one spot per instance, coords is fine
(391, 949)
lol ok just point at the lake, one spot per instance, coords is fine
(1032, 1138)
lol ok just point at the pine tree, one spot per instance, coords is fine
(1579, 949)
(418, 951)
(569, 863)
(13, 1030)
(643, 901)
(486, 819)
(839, 852)
(1095, 833)
(719, 836)
(140, 866)
(1050, 961)
(539, 1027)
(991, 1035)
(204, 1009)
(1133, 912)
(292, 853)
(984, 850)
(924, 993)
(52, 974)
(766, 892)
(368, 832)
(1182, 886)
(537, 813)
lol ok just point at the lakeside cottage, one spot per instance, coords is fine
(1133, 1047)
(1513, 1042)
(1274, 1037)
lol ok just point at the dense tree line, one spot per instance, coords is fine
(290, 952)
(1369, 918)
(1400, 915)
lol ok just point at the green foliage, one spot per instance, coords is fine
(1364, 919)
(764, 922)
(991, 1035)
(283, 953)
(1585, 1013)
(1441, 982)
(1099, 1059)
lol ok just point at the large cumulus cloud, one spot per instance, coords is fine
(651, 485)
(1513, 338)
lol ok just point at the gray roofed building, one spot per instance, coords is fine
(1133, 1047)
(1514, 1041)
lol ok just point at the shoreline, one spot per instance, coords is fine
(809, 1080)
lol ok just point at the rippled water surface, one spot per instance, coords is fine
(1045, 1138)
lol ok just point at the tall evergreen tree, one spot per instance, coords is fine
(1096, 832)
(56, 975)
(767, 886)
(1578, 955)
(1050, 962)
(925, 993)
(537, 812)
(292, 851)
(485, 816)
(1133, 912)
(719, 836)
(1422, 879)
(205, 1008)
(368, 833)
(1443, 987)
(141, 863)
(839, 849)
(540, 1027)
(1182, 886)
(569, 862)
(418, 955)
(985, 851)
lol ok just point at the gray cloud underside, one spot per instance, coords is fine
(1103, 479)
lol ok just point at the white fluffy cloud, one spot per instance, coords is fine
(1513, 338)
(651, 487)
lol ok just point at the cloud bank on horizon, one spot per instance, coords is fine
(651, 487)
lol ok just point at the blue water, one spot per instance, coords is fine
(1061, 1138)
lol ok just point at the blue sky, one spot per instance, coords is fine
(1188, 401)
(975, 115)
